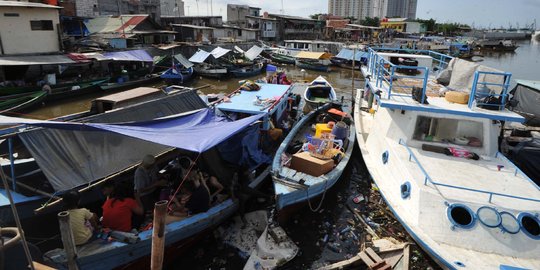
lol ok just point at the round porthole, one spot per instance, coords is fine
(460, 264)
(461, 216)
(489, 216)
(385, 157)
(509, 223)
(530, 225)
(405, 190)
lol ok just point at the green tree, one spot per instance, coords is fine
(430, 24)
(371, 21)
(315, 16)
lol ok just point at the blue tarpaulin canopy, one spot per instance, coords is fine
(348, 54)
(135, 55)
(195, 132)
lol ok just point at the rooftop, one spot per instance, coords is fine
(193, 26)
(115, 24)
(26, 4)
(289, 17)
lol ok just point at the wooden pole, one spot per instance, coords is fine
(158, 235)
(67, 240)
(17, 220)
(352, 80)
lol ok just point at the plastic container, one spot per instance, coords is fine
(321, 128)
(340, 130)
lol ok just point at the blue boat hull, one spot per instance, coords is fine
(244, 74)
(178, 78)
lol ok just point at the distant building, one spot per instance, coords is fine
(193, 33)
(229, 33)
(128, 31)
(294, 27)
(173, 8)
(28, 28)
(268, 27)
(360, 9)
(236, 14)
(404, 25)
(209, 21)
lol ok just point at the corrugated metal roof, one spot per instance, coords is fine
(348, 54)
(199, 56)
(34, 60)
(193, 26)
(114, 24)
(313, 55)
(253, 52)
(219, 52)
(180, 58)
(26, 4)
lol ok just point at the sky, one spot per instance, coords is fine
(481, 13)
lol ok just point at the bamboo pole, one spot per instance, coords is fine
(67, 240)
(158, 235)
(352, 79)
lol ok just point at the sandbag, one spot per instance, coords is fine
(457, 97)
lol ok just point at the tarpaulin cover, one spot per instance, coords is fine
(182, 60)
(527, 93)
(247, 153)
(526, 155)
(135, 55)
(462, 76)
(253, 52)
(312, 55)
(348, 54)
(71, 158)
(34, 60)
(219, 52)
(199, 57)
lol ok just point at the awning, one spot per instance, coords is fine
(238, 49)
(253, 52)
(35, 60)
(348, 54)
(182, 60)
(312, 55)
(135, 55)
(219, 52)
(196, 132)
(199, 56)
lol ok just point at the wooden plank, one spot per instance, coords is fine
(373, 255)
(406, 257)
(39, 266)
(366, 259)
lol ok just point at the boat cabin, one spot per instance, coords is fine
(125, 98)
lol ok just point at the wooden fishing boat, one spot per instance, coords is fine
(282, 58)
(318, 92)
(312, 65)
(61, 86)
(211, 71)
(436, 163)
(75, 90)
(116, 86)
(177, 75)
(250, 71)
(313, 172)
(19, 102)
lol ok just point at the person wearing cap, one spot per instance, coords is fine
(146, 181)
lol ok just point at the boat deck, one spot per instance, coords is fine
(475, 175)
(243, 101)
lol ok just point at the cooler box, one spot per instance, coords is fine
(304, 162)
(321, 128)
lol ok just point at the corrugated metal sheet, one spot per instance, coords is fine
(253, 52)
(114, 24)
(180, 58)
(35, 60)
(348, 54)
(199, 56)
(219, 52)
(313, 55)
(134, 55)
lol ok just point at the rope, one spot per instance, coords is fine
(320, 202)
(183, 180)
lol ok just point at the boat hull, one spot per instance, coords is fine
(282, 59)
(311, 66)
(110, 87)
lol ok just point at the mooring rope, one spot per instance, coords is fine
(320, 202)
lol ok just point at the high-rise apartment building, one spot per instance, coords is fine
(360, 9)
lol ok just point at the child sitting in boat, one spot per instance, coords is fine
(119, 208)
(82, 221)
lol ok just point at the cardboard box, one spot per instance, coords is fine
(304, 162)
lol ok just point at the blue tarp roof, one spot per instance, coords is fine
(195, 132)
(135, 55)
(244, 101)
(348, 54)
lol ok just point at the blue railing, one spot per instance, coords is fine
(385, 71)
(428, 179)
(441, 59)
(478, 96)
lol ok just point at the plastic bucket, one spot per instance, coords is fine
(340, 130)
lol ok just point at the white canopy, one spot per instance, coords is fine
(253, 52)
(199, 56)
(219, 52)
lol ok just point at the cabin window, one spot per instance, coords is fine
(11, 14)
(461, 132)
(41, 25)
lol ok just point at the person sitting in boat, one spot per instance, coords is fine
(82, 221)
(119, 208)
(146, 182)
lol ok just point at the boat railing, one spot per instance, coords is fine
(385, 72)
(440, 59)
(428, 179)
(480, 90)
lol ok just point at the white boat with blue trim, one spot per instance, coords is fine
(436, 163)
(319, 92)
